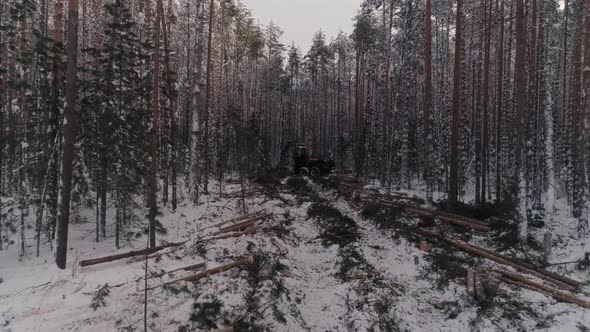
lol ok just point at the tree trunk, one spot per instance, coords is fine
(551, 185)
(583, 120)
(155, 129)
(209, 97)
(428, 103)
(454, 167)
(485, 100)
(70, 130)
(197, 110)
(577, 165)
(56, 110)
(3, 92)
(562, 147)
(499, 100)
(171, 115)
(520, 190)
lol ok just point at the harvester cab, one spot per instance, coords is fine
(314, 165)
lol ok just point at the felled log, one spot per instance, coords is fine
(480, 294)
(427, 232)
(491, 283)
(443, 216)
(476, 226)
(355, 206)
(225, 329)
(471, 283)
(144, 258)
(235, 219)
(210, 272)
(559, 280)
(189, 268)
(552, 275)
(242, 225)
(521, 281)
(249, 231)
(483, 253)
(184, 268)
(111, 258)
(250, 216)
(437, 213)
(424, 246)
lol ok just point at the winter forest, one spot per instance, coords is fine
(173, 165)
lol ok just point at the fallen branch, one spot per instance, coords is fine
(219, 269)
(249, 231)
(521, 281)
(111, 258)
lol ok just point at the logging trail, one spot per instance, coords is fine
(306, 256)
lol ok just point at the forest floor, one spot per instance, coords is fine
(319, 265)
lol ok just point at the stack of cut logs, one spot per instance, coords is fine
(447, 217)
(235, 227)
(393, 200)
(554, 285)
(481, 285)
(239, 226)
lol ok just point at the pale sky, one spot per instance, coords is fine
(300, 19)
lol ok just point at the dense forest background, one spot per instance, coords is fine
(105, 101)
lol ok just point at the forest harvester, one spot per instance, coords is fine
(314, 165)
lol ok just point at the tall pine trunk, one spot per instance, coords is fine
(520, 189)
(155, 129)
(582, 72)
(428, 103)
(57, 76)
(485, 100)
(172, 107)
(499, 101)
(3, 91)
(209, 98)
(69, 130)
(456, 112)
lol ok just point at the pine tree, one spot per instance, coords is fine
(70, 131)
(454, 169)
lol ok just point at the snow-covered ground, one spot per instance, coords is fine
(295, 283)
